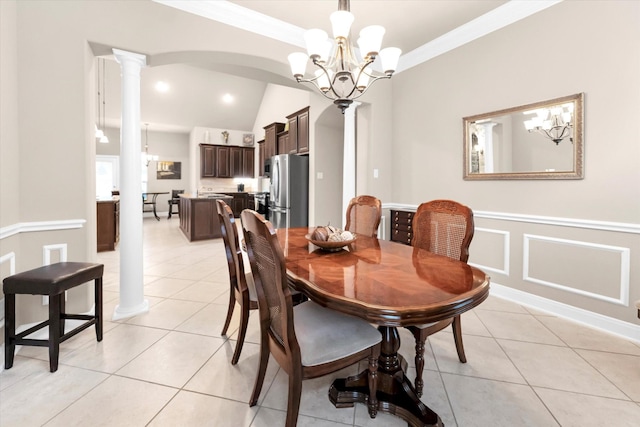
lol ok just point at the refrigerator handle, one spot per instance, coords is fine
(276, 179)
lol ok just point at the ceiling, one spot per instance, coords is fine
(415, 26)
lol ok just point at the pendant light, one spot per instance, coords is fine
(102, 138)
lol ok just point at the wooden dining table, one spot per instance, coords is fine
(390, 285)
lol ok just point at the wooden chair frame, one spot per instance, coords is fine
(363, 202)
(285, 349)
(239, 289)
(423, 221)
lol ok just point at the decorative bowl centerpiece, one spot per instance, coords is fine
(330, 239)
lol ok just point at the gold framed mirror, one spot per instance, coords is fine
(543, 140)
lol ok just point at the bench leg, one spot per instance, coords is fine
(98, 309)
(56, 303)
(9, 329)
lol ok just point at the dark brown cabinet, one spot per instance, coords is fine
(199, 218)
(401, 228)
(108, 224)
(284, 143)
(207, 161)
(271, 139)
(236, 161)
(298, 142)
(261, 158)
(239, 203)
(248, 162)
(225, 161)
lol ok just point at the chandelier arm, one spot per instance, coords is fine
(375, 79)
(313, 81)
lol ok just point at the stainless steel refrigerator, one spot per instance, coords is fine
(289, 191)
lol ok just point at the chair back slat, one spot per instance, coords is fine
(444, 227)
(363, 215)
(270, 277)
(233, 252)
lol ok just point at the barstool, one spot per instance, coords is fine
(51, 280)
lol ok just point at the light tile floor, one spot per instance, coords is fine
(170, 367)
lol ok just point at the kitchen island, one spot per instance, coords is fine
(199, 216)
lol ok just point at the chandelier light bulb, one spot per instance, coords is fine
(99, 133)
(298, 63)
(370, 40)
(389, 56)
(315, 40)
(104, 139)
(341, 21)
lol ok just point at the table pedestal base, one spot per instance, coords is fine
(396, 394)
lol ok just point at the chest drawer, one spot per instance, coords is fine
(401, 236)
(401, 228)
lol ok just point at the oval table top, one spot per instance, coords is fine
(383, 282)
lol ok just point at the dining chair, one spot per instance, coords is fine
(174, 201)
(306, 340)
(242, 289)
(363, 215)
(443, 227)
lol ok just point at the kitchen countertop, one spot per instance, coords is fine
(208, 196)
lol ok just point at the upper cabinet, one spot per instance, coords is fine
(261, 157)
(280, 140)
(284, 146)
(298, 142)
(225, 161)
(271, 139)
(207, 161)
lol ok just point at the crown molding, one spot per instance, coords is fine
(264, 25)
(500, 17)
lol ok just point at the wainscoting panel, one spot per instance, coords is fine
(492, 250)
(573, 267)
(590, 269)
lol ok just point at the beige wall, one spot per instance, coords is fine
(48, 148)
(9, 147)
(598, 54)
(412, 123)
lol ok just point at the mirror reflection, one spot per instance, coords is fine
(535, 141)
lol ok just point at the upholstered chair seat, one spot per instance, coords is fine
(315, 326)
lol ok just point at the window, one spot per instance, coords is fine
(107, 175)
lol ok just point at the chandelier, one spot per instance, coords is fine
(553, 123)
(341, 76)
(146, 156)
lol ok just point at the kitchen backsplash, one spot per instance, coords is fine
(228, 185)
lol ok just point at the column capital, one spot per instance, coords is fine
(123, 56)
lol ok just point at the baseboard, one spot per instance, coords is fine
(613, 326)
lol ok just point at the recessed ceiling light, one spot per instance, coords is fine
(228, 98)
(162, 86)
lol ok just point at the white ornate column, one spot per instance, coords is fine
(488, 147)
(132, 300)
(349, 158)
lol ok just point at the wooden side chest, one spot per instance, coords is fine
(401, 230)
